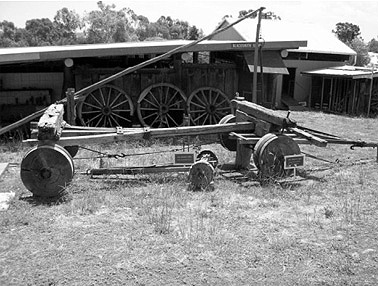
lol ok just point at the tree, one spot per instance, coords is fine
(67, 22)
(194, 33)
(362, 51)
(373, 46)
(41, 32)
(11, 36)
(347, 32)
(109, 25)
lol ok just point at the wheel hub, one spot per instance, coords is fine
(45, 173)
(164, 109)
(106, 110)
(211, 109)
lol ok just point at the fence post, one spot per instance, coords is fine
(71, 116)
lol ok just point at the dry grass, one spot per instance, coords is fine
(318, 229)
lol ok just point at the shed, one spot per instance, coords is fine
(323, 50)
(346, 89)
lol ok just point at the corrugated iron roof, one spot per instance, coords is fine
(27, 54)
(318, 39)
(345, 72)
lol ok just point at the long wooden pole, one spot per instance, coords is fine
(125, 72)
(370, 90)
(256, 57)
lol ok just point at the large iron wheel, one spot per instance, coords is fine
(208, 105)
(161, 105)
(106, 106)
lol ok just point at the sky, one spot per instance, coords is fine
(206, 14)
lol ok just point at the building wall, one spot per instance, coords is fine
(30, 81)
(303, 83)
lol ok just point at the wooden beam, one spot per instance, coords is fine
(265, 114)
(51, 123)
(70, 94)
(153, 133)
(312, 138)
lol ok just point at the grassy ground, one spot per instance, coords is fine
(316, 229)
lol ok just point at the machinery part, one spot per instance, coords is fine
(201, 175)
(207, 105)
(269, 154)
(72, 150)
(46, 170)
(161, 105)
(106, 106)
(226, 142)
(208, 156)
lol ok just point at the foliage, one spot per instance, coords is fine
(67, 22)
(373, 46)
(105, 25)
(267, 15)
(362, 51)
(109, 25)
(347, 32)
(11, 36)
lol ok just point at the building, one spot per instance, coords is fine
(323, 50)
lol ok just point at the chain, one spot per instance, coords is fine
(195, 146)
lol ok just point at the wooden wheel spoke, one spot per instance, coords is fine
(217, 117)
(199, 117)
(198, 105)
(223, 109)
(196, 111)
(156, 118)
(91, 112)
(172, 98)
(102, 96)
(114, 120)
(109, 96)
(151, 114)
(121, 110)
(116, 98)
(119, 116)
(122, 102)
(99, 103)
(93, 118)
(148, 109)
(170, 117)
(99, 121)
(206, 118)
(200, 101)
(153, 96)
(204, 97)
(153, 104)
(225, 100)
(91, 105)
(216, 97)
(166, 95)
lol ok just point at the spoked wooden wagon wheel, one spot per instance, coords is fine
(106, 106)
(226, 142)
(46, 170)
(269, 154)
(161, 105)
(208, 105)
